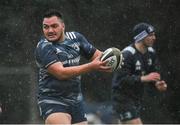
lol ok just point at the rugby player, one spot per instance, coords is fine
(57, 56)
(140, 66)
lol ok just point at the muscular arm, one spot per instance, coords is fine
(96, 54)
(61, 72)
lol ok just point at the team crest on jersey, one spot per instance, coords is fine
(75, 46)
(138, 65)
(58, 51)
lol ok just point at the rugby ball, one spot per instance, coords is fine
(114, 57)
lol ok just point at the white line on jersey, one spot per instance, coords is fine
(70, 35)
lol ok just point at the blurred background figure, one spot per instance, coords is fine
(140, 68)
(93, 119)
(100, 113)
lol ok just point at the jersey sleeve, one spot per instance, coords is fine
(156, 64)
(125, 74)
(86, 49)
(45, 55)
(155, 67)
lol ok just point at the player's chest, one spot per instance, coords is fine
(68, 50)
(143, 63)
(68, 54)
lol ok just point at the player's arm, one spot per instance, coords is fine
(160, 84)
(97, 53)
(126, 73)
(151, 77)
(155, 76)
(59, 71)
(87, 49)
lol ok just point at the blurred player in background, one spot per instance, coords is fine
(57, 56)
(140, 67)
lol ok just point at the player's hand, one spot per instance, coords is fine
(161, 85)
(151, 77)
(99, 65)
(104, 67)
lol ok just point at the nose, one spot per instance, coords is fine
(50, 29)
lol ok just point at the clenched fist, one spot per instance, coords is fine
(161, 85)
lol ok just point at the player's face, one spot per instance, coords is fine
(149, 40)
(53, 28)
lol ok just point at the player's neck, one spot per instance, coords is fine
(140, 47)
(62, 37)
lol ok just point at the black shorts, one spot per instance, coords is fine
(49, 106)
(126, 108)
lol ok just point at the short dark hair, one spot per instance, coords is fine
(53, 12)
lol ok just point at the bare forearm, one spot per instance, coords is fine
(72, 71)
(151, 77)
(61, 72)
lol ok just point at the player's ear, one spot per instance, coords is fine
(63, 26)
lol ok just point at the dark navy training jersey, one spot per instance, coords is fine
(135, 64)
(68, 52)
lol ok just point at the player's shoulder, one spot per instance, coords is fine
(151, 50)
(43, 43)
(129, 50)
(73, 35)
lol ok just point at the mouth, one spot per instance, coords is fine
(51, 35)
